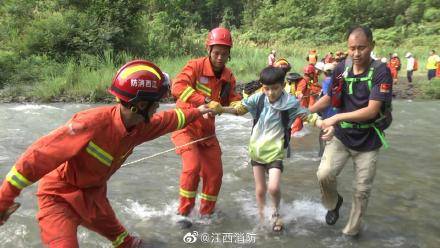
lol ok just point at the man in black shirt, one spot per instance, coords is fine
(362, 90)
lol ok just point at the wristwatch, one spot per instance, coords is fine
(207, 99)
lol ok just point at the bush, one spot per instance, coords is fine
(8, 60)
(431, 89)
(432, 15)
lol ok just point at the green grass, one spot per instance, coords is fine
(431, 89)
(88, 79)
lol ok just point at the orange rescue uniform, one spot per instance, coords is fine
(393, 65)
(74, 163)
(203, 159)
(303, 89)
(315, 90)
(437, 72)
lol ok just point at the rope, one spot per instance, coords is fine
(169, 150)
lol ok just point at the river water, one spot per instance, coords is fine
(403, 210)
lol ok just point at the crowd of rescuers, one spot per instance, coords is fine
(351, 107)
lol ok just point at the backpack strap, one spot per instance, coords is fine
(260, 105)
(285, 122)
(287, 130)
(369, 78)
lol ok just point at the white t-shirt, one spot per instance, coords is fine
(271, 59)
(410, 64)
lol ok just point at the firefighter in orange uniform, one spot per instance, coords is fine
(312, 57)
(303, 94)
(75, 161)
(315, 87)
(204, 80)
(283, 64)
(394, 66)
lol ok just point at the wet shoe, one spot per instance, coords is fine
(333, 215)
(184, 222)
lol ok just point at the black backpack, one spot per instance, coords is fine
(284, 120)
(251, 87)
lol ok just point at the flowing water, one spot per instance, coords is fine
(403, 210)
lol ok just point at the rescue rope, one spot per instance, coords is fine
(169, 150)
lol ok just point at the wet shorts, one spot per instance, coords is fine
(275, 164)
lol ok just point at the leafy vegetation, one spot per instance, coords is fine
(71, 48)
(431, 89)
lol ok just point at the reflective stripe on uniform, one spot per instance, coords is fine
(99, 153)
(120, 239)
(203, 88)
(130, 70)
(208, 197)
(17, 179)
(187, 194)
(186, 94)
(181, 120)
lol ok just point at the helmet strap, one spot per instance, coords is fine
(136, 110)
(144, 112)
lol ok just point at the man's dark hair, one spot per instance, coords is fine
(272, 75)
(364, 29)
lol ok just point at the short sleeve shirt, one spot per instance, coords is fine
(365, 139)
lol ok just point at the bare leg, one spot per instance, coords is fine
(260, 189)
(274, 187)
(275, 193)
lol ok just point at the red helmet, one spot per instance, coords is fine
(219, 36)
(139, 80)
(309, 69)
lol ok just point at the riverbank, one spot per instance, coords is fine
(401, 90)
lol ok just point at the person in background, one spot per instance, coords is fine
(271, 58)
(432, 63)
(283, 64)
(315, 87)
(312, 57)
(303, 95)
(338, 56)
(329, 58)
(394, 66)
(409, 67)
(292, 80)
(330, 110)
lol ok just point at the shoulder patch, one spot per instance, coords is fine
(75, 127)
(385, 87)
(203, 80)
